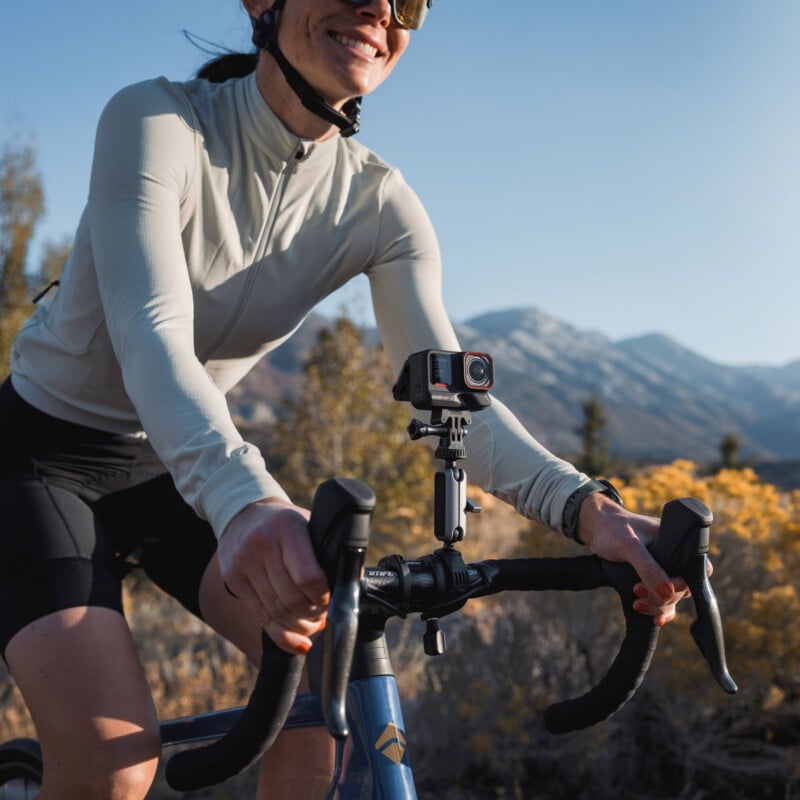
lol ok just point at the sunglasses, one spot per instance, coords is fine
(407, 13)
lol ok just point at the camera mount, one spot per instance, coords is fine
(450, 508)
(449, 385)
(451, 504)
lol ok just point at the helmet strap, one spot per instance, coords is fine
(265, 37)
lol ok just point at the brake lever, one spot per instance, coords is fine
(339, 526)
(339, 641)
(682, 549)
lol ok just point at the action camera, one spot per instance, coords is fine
(445, 379)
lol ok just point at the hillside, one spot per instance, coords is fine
(663, 401)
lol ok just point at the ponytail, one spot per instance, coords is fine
(227, 66)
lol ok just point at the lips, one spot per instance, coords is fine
(357, 44)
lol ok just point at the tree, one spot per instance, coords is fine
(21, 208)
(54, 257)
(729, 451)
(594, 458)
(345, 423)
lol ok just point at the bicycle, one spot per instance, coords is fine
(356, 694)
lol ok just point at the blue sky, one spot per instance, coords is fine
(627, 166)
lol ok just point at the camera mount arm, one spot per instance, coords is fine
(451, 504)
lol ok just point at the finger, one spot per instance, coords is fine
(287, 606)
(661, 614)
(663, 618)
(302, 570)
(657, 582)
(288, 556)
(288, 632)
(262, 564)
(290, 641)
(680, 587)
(287, 599)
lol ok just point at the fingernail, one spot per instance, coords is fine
(323, 624)
(640, 591)
(304, 647)
(640, 606)
(665, 591)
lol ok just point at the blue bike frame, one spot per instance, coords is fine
(375, 763)
(372, 764)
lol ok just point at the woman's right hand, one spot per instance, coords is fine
(267, 561)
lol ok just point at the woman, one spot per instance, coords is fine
(219, 214)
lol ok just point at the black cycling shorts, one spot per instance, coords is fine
(77, 507)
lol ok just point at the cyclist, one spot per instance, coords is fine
(219, 213)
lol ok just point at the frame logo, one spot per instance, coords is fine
(392, 743)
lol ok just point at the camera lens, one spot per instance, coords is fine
(478, 371)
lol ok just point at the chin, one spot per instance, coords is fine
(361, 83)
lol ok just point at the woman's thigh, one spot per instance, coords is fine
(227, 615)
(53, 555)
(81, 679)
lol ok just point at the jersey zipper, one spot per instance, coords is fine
(233, 319)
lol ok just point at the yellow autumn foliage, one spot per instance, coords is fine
(756, 559)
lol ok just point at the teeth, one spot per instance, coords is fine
(358, 45)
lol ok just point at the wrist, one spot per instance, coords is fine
(274, 501)
(241, 516)
(571, 516)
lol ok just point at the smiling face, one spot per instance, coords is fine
(343, 50)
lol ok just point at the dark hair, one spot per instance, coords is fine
(227, 66)
(223, 65)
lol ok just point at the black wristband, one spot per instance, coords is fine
(569, 520)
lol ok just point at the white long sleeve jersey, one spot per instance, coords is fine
(209, 233)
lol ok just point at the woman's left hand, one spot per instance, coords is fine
(615, 534)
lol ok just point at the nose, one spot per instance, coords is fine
(379, 10)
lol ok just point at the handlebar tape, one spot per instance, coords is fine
(633, 659)
(575, 573)
(623, 677)
(252, 734)
(269, 705)
(681, 547)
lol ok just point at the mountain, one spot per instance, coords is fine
(662, 400)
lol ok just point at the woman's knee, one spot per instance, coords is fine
(115, 771)
(81, 678)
